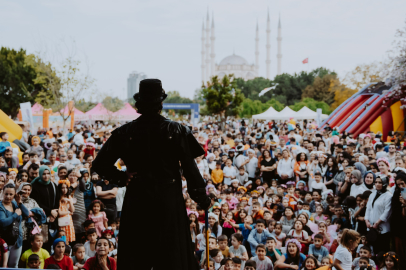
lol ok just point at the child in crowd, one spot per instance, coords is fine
(365, 252)
(34, 262)
(59, 258)
(310, 263)
(279, 235)
(66, 209)
(217, 256)
(317, 250)
(391, 261)
(258, 235)
(223, 241)
(98, 216)
(272, 252)
(262, 262)
(36, 248)
(237, 249)
(79, 256)
(90, 245)
(101, 260)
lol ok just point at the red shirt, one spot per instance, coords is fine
(92, 264)
(3, 249)
(65, 264)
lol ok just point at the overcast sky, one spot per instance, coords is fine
(162, 38)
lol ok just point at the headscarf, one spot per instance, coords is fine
(360, 167)
(39, 178)
(358, 175)
(66, 182)
(385, 182)
(370, 186)
(35, 137)
(22, 185)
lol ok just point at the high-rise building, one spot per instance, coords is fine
(133, 83)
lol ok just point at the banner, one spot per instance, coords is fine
(319, 112)
(26, 113)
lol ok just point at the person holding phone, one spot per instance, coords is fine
(24, 190)
(12, 212)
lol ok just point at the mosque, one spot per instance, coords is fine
(235, 64)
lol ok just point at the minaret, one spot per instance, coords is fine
(212, 55)
(279, 55)
(257, 50)
(268, 48)
(203, 58)
(207, 47)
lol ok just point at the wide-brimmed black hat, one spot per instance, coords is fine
(151, 91)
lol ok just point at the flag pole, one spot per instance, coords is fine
(206, 221)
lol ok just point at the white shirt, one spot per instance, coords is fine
(319, 185)
(381, 210)
(286, 167)
(78, 139)
(229, 171)
(344, 256)
(240, 160)
(252, 167)
(120, 197)
(355, 190)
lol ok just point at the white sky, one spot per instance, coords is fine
(162, 38)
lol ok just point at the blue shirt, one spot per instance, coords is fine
(3, 146)
(318, 253)
(302, 257)
(244, 231)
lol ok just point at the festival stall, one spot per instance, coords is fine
(99, 112)
(267, 115)
(127, 113)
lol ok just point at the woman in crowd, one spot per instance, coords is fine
(285, 167)
(378, 213)
(77, 186)
(268, 167)
(12, 211)
(45, 193)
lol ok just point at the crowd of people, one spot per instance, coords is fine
(283, 196)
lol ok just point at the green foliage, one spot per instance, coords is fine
(174, 97)
(198, 97)
(252, 107)
(18, 81)
(112, 104)
(321, 89)
(223, 98)
(289, 89)
(312, 105)
(85, 106)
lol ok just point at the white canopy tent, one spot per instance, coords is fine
(287, 113)
(267, 115)
(306, 113)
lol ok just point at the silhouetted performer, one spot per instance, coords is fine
(154, 229)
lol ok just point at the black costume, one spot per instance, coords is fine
(154, 230)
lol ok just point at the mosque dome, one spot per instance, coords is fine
(233, 60)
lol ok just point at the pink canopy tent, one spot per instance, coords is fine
(78, 115)
(37, 109)
(127, 113)
(100, 113)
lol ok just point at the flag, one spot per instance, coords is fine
(305, 61)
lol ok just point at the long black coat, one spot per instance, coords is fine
(154, 229)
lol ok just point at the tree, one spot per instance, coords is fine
(341, 93)
(321, 89)
(223, 98)
(396, 70)
(365, 74)
(112, 104)
(84, 105)
(252, 107)
(18, 82)
(312, 105)
(251, 88)
(73, 84)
